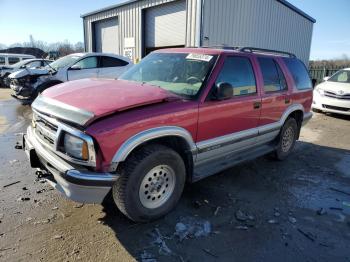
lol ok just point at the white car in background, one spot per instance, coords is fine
(333, 95)
(7, 59)
(28, 83)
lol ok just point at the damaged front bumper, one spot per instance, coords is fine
(76, 183)
(23, 94)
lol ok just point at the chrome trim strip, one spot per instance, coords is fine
(61, 128)
(61, 110)
(215, 143)
(150, 134)
(92, 176)
(62, 166)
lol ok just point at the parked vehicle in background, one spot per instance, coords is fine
(333, 95)
(27, 63)
(27, 84)
(179, 115)
(7, 59)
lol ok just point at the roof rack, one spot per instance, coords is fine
(248, 49)
(225, 47)
(265, 51)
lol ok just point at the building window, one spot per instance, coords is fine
(274, 79)
(238, 72)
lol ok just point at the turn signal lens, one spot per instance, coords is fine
(85, 151)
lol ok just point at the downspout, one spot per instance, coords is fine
(198, 41)
(84, 31)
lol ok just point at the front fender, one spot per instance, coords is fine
(165, 131)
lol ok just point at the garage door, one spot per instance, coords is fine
(165, 25)
(106, 36)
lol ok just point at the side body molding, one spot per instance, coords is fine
(277, 125)
(129, 145)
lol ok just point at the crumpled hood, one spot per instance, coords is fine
(84, 101)
(336, 87)
(29, 71)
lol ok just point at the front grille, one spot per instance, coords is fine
(45, 130)
(334, 95)
(344, 109)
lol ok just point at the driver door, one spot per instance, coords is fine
(84, 68)
(225, 126)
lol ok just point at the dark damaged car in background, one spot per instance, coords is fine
(28, 83)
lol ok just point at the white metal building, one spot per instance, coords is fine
(136, 27)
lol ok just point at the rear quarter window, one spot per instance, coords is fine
(107, 61)
(13, 60)
(299, 73)
(2, 60)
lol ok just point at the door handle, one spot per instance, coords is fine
(257, 105)
(287, 100)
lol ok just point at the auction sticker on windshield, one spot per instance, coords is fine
(200, 57)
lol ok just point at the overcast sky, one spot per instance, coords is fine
(53, 21)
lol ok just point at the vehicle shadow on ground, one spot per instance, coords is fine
(268, 193)
(338, 116)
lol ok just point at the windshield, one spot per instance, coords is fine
(180, 73)
(64, 61)
(342, 76)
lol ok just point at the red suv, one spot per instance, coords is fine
(178, 116)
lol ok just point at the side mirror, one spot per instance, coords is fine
(223, 91)
(326, 78)
(75, 67)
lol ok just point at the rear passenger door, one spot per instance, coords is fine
(275, 94)
(111, 67)
(230, 125)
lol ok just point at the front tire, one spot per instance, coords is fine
(287, 139)
(151, 183)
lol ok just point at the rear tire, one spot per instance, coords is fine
(287, 139)
(151, 183)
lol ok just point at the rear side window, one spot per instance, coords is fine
(2, 60)
(13, 60)
(107, 61)
(238, 72)
(299, 73)
(274, 79)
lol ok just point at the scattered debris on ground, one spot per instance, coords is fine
(339, 191)
(307, 235)
(191, 227)
(23, 199)
(11, 184)
(321, 211)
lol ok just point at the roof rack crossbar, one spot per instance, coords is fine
(224, 47)
(266, 51)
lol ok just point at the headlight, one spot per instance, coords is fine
(76, 147)
(320, 91)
